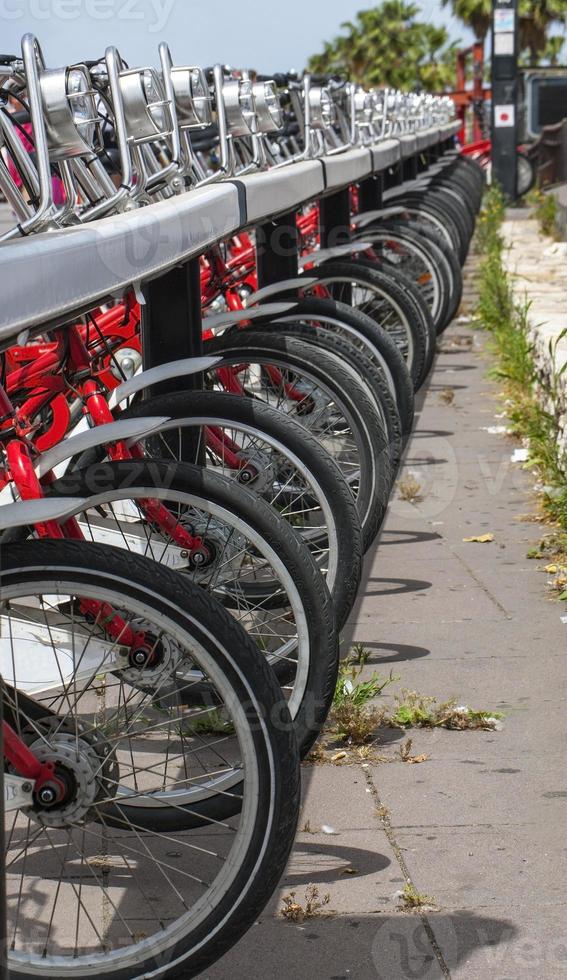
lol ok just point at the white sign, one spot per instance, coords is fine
(504, 115)
(503, 44)
(503, 21)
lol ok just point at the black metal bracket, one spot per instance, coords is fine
(277, 250)
(334, 219)
(171, 322)
(410, 168)
(171, 330)
(393, 177)
(370, 193)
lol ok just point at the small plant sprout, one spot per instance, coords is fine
(406, 756)
(410, 489)
(410, 898)
(545, 211)
(352, 719)
(359, 654)
(307, 828)
(350, 688)
(296, 912)
(212, 722)
(447, 396)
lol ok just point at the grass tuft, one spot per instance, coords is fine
(410, 489)
(415, 710)
(412, 899)
(296, 912)
(352, 719)
(545, 211)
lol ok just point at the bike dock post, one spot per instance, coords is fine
(334, 229)
(172, 330)
(277, 250)
(171, 323)
(410, 168)
(370, 192)
(334, 218)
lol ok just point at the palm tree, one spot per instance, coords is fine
(387, 45)
(535, 19)
(476, 14)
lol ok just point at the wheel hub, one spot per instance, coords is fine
(85, 771)
(223, 544)
(257, 472)
(149, 667)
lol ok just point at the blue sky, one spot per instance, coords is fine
(268, 35)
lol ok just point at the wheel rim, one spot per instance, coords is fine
(89, 861)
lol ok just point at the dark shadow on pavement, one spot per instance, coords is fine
(392, 536)
(381, 946)
(432, 433)
(404, 586)
(327, 862)
(420, 461)
(400, 652)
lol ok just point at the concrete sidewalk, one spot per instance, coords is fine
(480, 826)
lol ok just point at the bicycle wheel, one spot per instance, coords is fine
(412, 255)
(415, 303)
(230, 543)
(277, 458)
(311, 387)
(355, 361)
(366, 335)
(434, 205)
(373, 292)
(445, 255)
(424, 208)
(87, 899)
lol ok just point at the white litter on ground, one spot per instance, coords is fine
(519, 456)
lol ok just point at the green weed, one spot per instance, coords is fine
(415, 710)
(525, 393)
(545, 211)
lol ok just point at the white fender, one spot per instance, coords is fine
(100, 435)
(163, 372)
(360, 220)
(25, 512)
(231, 317)
(301, 282)
(324, 254)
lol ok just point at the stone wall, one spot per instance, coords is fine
(538, 269)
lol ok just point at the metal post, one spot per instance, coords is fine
(171, 321)
(370, 193)
(505, 95)
(334, 218)
(409, 168)
(277, 250)
(393, 177)
(172, 330)
(334, 229)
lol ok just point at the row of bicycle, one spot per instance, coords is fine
(177, 566)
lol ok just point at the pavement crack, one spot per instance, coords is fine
(480, 583)
(383, 815)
